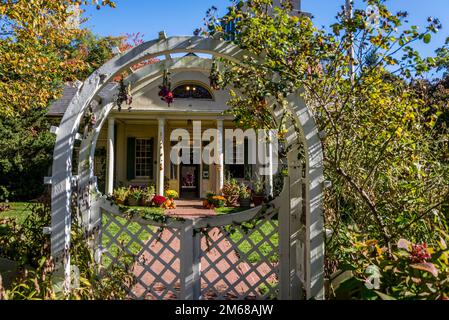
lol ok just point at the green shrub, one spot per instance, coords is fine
(30, 248)
(411, 271)
(26, 148)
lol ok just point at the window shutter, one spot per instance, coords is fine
(131, 159)
(246, 151)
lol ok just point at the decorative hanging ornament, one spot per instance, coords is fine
(165, 89)
(215, 78)
(90, 119)
(124, 95)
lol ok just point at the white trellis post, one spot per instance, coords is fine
(271, 149)
(110, 155)
(190, 249)
(220, 166)
(161, 157)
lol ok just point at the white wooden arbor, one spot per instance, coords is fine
(301, 229)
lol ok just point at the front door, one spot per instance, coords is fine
(190, 182)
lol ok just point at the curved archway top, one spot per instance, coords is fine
(151, 49)
(150, 73)
(171, 45)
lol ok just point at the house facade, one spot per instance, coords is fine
(135, 145)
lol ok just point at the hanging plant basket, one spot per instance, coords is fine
(215, 78)
(124, 95)
(165, 91)
(89, 119)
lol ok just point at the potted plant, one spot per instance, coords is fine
(135, 196)
(207, 203)
(214, 201)
(244, 196)
(159, 200)
(121, 195)
(218, 201)
(230, 191)
(258, 192)
(147, 196)
(171, 196)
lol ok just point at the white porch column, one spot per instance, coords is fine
(161, 158)
(270, 183)
(220, 164)
(110, 150)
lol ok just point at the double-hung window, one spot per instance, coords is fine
(144, 158)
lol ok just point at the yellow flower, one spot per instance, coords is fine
(379, 251)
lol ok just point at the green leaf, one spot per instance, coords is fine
(405, 244)
(427, 267)
(427, 38)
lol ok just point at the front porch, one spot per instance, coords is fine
(137, 152)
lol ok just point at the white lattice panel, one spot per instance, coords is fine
(241, 261)
(151, 253)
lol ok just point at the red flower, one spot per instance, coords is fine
(420, 253)
(159, 200)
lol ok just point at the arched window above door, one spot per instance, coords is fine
(192, 91)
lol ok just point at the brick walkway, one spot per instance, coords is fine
(189, 209)
(160, 264)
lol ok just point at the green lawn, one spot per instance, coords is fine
(19, 210)
(124, 238)
(228, 210)
(256, 236)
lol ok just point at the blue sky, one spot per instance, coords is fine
(181, 17)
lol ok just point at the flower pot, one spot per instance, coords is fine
(245, 203)
(143, 202)
(120, 202)
(133, 202)
(258, 200)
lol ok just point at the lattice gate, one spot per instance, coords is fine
(241, 261)
(232, 257)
